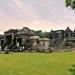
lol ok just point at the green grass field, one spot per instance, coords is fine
(62, 63)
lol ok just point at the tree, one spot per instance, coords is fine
(70, 3)
(41, 34)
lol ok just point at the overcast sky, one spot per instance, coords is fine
(35, 14)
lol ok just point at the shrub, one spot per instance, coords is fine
(6, 52)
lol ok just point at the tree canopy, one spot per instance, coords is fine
(70, 3)
(41, 34)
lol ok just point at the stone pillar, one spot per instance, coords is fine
(12, 38)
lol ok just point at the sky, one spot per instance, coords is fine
(35, 14)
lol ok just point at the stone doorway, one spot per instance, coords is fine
(19, 41)
(9, 40)
(2, 42)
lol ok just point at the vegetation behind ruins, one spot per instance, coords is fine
(41, 34)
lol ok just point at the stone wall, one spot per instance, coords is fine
(61, 39)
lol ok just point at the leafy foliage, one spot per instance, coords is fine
(41, 34)
(70, 3)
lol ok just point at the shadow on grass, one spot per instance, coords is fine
(72, 70)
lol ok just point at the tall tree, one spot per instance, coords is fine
(70, 3)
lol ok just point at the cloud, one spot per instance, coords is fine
(22, 10)
(35, 14)
(34, 25)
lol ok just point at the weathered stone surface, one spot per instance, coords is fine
(62, 39)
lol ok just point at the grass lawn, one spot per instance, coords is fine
(62, 63)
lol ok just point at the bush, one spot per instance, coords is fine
(51, 51)
(6, 52)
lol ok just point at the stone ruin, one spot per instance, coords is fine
(22, 40)
(62, 39)
(26, 40)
